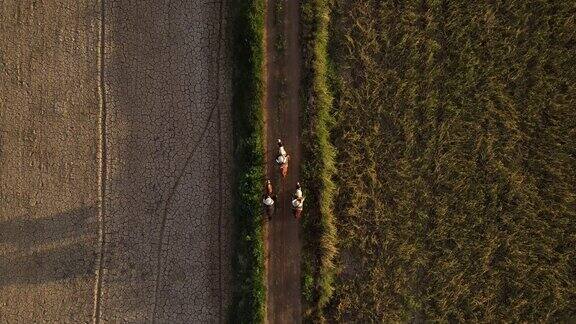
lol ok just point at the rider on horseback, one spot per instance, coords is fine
(282, 156)
(269, 199)
(298, 193)
(298, 201)
(282, 159)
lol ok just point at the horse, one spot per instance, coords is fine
(297, 207)
(282, 159)
(298, 193)
(284, 166)
(268, 193)
(297, 213)
(268, 188)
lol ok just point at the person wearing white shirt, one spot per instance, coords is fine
(268, 201)
(282, 159)
(298, 193)
(298, 203)
(298, 206)
(282, 156)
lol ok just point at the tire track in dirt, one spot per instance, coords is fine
(166, 207)
(214, 108)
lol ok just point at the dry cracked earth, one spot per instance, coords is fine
(115, 161)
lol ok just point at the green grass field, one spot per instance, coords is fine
(456, 139)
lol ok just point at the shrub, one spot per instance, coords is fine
(248, 53)
(318, 167)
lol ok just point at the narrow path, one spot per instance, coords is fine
(282, 121)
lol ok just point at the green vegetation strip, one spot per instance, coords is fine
(456, 161)
(248, 123)
(318, 167)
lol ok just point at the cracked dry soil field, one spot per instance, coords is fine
(115, 161)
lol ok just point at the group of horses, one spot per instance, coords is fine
(269, 196)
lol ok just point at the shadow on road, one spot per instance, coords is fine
(59, 247)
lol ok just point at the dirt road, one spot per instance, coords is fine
(115, 161)
(282, 113)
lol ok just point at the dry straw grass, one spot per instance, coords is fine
(457, 160)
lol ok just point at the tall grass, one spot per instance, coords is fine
(248, 54)
(318, 166)
(457, 161)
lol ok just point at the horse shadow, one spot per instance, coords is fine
(60, 247)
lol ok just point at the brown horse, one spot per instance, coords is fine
(268, 188)
(282, 162)
(284, 167)
(297, 207)
(297, 213)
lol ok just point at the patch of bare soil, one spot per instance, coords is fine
(167, 196)
(49, 110)
(115, 161)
